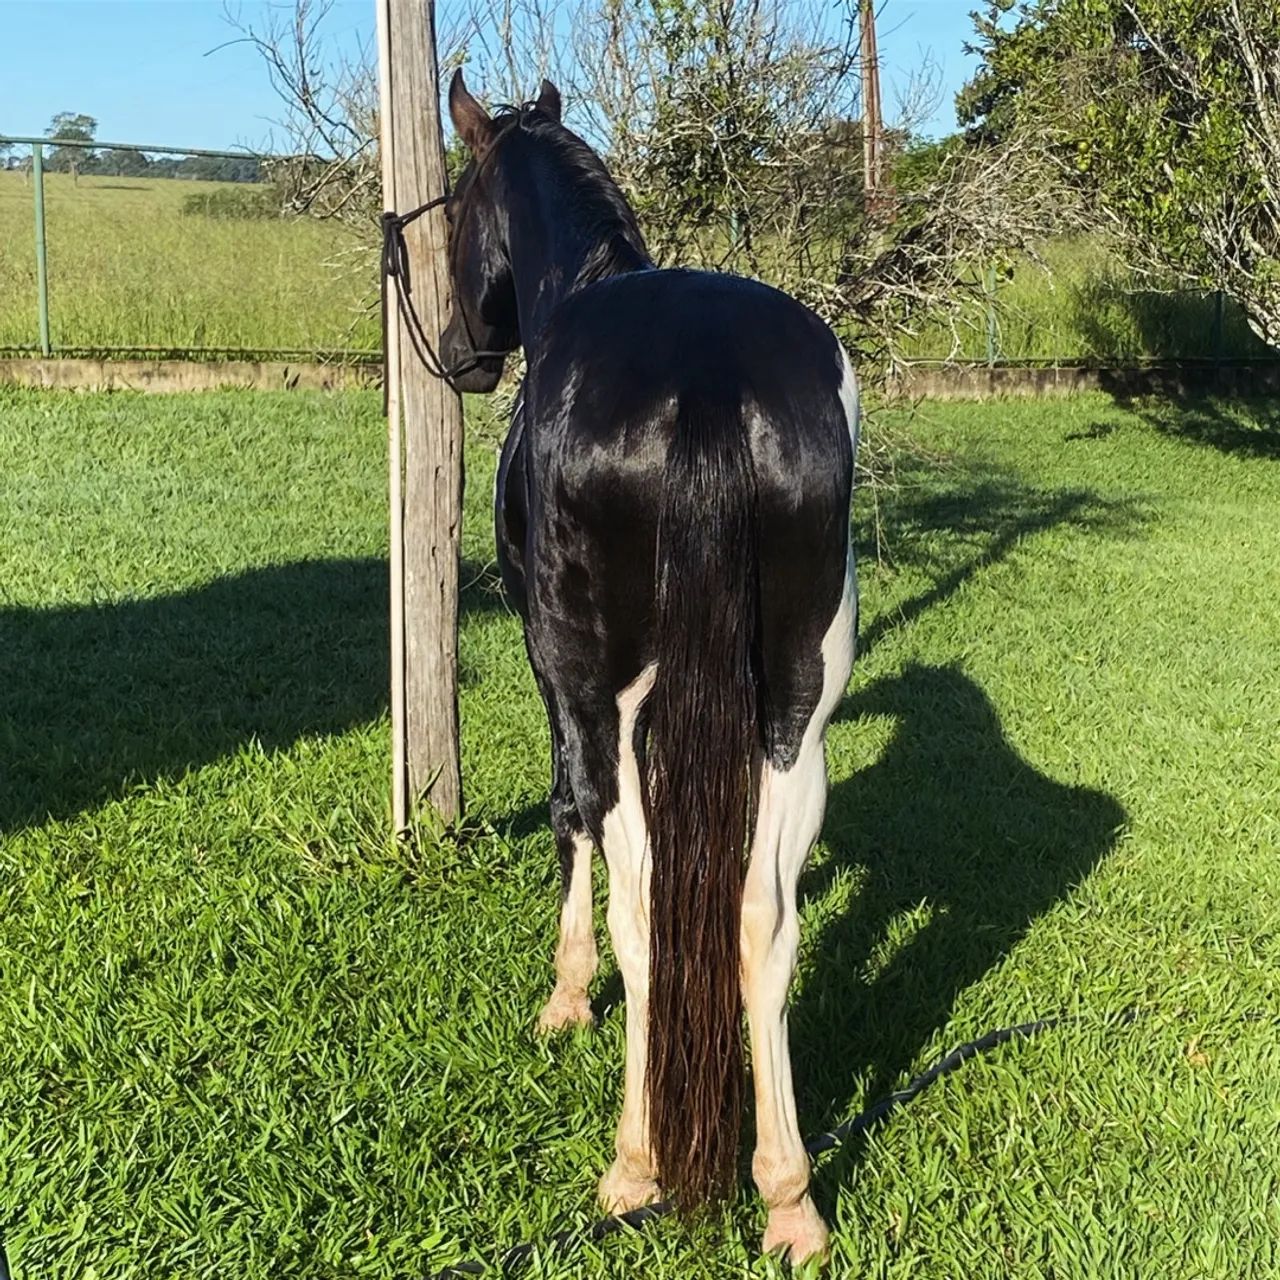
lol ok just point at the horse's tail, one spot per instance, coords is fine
(700, 719)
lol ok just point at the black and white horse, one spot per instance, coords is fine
(673, 527)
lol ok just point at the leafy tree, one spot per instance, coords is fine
(1166, 113)
(70, 126)
(723, 120)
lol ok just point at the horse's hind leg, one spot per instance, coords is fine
(570, 1003)
(631, 1180)
(596, 765)
(790, 807)
(789, 817)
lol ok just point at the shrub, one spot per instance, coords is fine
(254, 202)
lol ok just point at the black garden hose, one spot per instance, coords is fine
(564, 1241)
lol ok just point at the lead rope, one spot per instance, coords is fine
(563, 1241)
(395, 267)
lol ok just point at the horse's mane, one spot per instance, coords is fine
(600, 208)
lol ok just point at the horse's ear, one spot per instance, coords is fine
(470, 119)
(549, 100)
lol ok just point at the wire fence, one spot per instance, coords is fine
(156, 251)
(125, 250)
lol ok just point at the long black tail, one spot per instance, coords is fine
(700, 718)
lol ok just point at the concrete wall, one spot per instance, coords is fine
(982, 383)
(183, 375)
(975, 383)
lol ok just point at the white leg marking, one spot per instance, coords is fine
(570, 1004)
(789, 816)
(630, 1181)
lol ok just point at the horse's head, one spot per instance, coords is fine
(484, 318)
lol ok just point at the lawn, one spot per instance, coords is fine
(129, 269)
(242, 1035)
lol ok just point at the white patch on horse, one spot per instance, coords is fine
(624, 823)
(630, 1181)
(790, 808)
(570, 1003)
(849, 397)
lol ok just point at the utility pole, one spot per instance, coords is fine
(872, 117)
(426, 458)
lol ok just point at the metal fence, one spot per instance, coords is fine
(37, 146)
(310, 310)
(44, 339)
(1078, 305)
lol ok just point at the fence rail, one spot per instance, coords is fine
(1098, 362)
(93, 144)
(125, 351)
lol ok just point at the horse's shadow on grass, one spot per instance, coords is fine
(955, 844)
(958, 844)
(96, 698)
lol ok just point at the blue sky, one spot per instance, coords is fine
(144, 68)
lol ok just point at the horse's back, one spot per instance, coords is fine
(622, 355)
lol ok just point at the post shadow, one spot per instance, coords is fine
(94, 698)
(950, 820)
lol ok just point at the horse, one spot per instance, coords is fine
(672, 522)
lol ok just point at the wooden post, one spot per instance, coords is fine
(431, 413)
(872, 118)
(395, 447)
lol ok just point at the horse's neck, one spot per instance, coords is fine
(554, 253)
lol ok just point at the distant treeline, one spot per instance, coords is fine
(112, 163)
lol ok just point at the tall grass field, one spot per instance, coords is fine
(129, 269)
(1078, 302)
(242, 1034)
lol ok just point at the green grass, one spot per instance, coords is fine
(129, 269)
(1082, 303)
(241, 1035)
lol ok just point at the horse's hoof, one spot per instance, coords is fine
(565, 1009)
(620, 1192)
(798, 1231)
